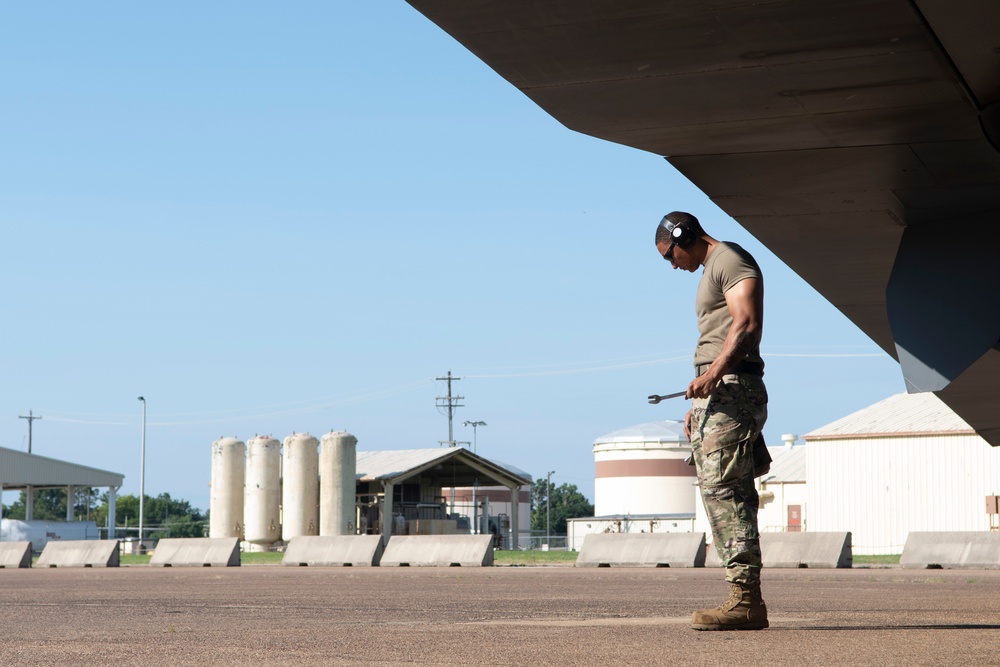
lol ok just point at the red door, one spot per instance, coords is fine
(794, 519)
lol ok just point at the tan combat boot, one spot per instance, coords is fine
(744, 610)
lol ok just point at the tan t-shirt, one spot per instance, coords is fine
(726, 265)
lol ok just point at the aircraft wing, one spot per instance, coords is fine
(858, 140)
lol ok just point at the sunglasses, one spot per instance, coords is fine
(669, 254)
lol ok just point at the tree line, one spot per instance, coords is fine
(165, 516)
(561, 503)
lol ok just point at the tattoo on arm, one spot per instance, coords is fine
(745, 342)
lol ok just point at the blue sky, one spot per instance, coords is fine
(270, 220)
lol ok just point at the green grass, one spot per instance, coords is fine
(511, 558)
(890, 559)
(534, 557)
(254, 558)
(523, 558)
(134, 559)
(261, 558)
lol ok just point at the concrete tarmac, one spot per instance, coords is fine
(274, 615)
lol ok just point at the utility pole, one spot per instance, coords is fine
(548, 505)
(450, 402)
(30, 419)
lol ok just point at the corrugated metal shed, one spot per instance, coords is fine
(907, 463)
(394, 464)
(20, 469)
(788, 466)
(901, 414)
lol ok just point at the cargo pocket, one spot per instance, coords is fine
(727, 434)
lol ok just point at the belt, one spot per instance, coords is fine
(742, 368)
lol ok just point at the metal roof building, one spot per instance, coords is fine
(903, 414)
(783, 491)
(788, 466)
(463, 466)
(407, 485)
(22, 471)
(907, 463)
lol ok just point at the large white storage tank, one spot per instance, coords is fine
(300, 486)
(642, 470)
(226, 503)
(338, 474)
(263, 491)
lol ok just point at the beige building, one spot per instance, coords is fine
(907, 463)
(783, 491)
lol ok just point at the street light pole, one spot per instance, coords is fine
(475, 486)
(473, 425)
(548, 505)
(142, 474)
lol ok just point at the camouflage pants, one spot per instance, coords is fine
(723, 428)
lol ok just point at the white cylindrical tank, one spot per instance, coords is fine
(226, 504)
(642, 470)
(300, 486)
(263, 491)
(337, 473)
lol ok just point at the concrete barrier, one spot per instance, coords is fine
(80, 553)
(952, 550)
(197, 552)
(333, 550)
(15, 554)
(642, 550)
(438, 550)
(819, 549)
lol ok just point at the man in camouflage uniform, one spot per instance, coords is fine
(728, 410)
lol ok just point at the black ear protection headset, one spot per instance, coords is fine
(681, 235)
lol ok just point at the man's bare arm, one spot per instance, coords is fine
(745, 301)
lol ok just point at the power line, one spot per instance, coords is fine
(240, 414)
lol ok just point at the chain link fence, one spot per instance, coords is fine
(545, 543)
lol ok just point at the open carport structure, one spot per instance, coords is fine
(20, 471)
(406, 485)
